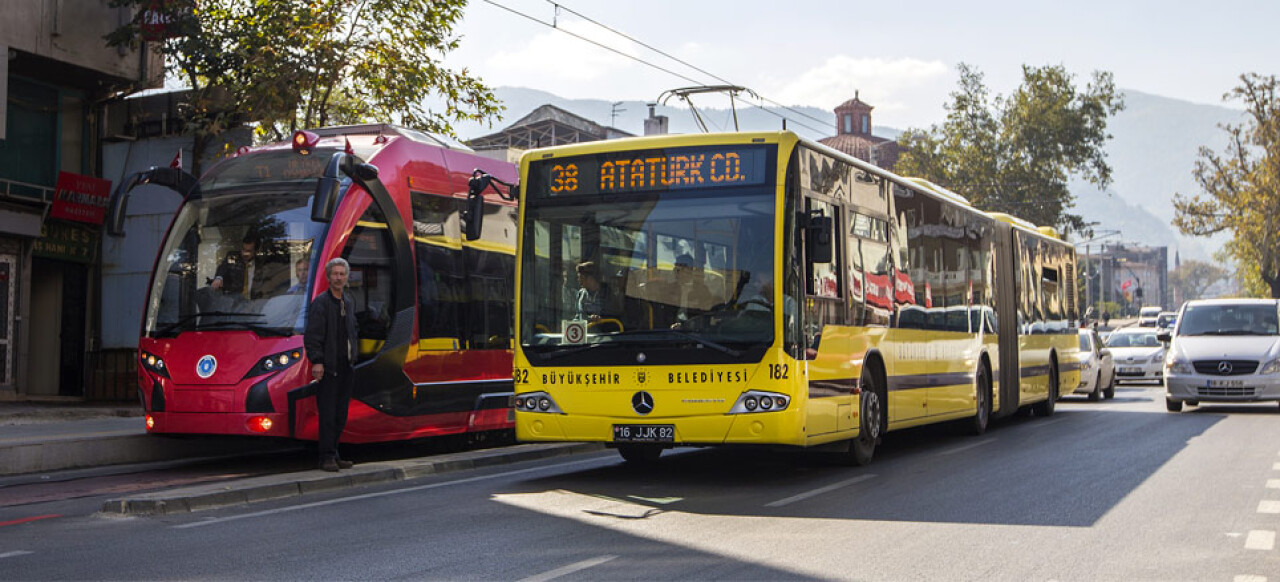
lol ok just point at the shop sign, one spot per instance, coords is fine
(80, 198)
(66, 242)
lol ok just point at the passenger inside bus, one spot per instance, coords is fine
(246, 273)
(689, 294)
(595, 301)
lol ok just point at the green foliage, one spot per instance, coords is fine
(1192, 278)
(1242, 188)
(1015, 154)
(295, 64)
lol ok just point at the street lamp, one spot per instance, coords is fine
(1090, 274)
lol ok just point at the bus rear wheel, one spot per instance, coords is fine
(871, 419)
(981, 417)
(1046, 408)
(640, 454)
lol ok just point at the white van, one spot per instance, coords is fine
(1149, 316)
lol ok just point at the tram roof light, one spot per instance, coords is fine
(304, 142)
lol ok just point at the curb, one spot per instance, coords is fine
(265, 488)
(117, 448)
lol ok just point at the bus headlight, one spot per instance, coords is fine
(275, 362)
(760, 401)
(535, 402)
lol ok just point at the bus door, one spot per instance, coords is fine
(825, 328)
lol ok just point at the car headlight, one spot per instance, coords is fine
(1177, 365)
(1271, 367)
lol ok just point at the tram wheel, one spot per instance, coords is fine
(640, 454)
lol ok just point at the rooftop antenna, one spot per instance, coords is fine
(613, 113)
(685, 92)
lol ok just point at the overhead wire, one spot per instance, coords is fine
(554, 26)
(691, 66)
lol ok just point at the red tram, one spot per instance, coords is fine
(220, 349)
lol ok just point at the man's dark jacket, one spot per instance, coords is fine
(320, 338)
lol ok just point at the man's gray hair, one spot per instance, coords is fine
(334, 262)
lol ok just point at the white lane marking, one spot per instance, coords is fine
(1268, 506)
(15, 554)
(818, 491)
(1260, 539)
(1249, 578)
(963, 448)
(571, 568)
(386, 493)
(1273, 483)
(1275, 467)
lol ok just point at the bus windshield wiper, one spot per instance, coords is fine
(686, 335)
(566, 352)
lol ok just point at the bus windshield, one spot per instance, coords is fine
(650, 271)
(239, 256)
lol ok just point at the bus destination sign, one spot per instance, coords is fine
(653, 170)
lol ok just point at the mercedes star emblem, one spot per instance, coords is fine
(642, 403)
(1224, 367)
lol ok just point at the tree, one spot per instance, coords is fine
(282, 65)
(1242, 187)
(1016, 154)
(1192, 278)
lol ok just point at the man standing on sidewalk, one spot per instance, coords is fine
(330, 341)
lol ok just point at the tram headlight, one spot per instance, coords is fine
(275, 362)
(153, 363)
(759, 401)
(535, 402)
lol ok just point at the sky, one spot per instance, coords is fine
(900, 57)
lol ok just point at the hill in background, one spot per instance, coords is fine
(1152, 153)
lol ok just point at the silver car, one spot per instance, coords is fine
(1223, 350)
(1138, 355)
(1097, 371)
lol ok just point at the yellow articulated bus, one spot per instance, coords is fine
(760, 288)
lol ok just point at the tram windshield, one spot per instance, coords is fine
(648, 269)
(239, 257)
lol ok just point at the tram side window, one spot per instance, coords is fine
(369, 250)
(442, 279)
(490, 309)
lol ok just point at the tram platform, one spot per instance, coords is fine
(38, 437)
(283, 485)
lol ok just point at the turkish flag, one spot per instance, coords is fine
(177, 161)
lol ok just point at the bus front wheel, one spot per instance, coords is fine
(982, 394)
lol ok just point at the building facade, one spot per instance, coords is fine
(57, 80)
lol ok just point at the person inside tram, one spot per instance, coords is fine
(300, 268)
(247, 274)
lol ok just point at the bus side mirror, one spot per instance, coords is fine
(818, 242)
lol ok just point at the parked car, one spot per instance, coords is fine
(1138, 354)
(1149, 316)
(1097, 369)
(1166, 319)
(1223, 350)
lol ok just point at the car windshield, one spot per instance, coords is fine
(1144, 339)
(1238, 319)
(238, 256)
